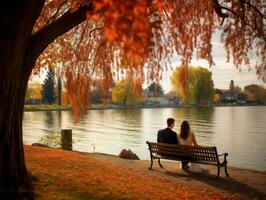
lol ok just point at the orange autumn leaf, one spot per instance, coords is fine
(132, 35)
(63, 173)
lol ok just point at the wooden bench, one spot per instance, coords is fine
(194, 154)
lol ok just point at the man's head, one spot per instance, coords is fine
(170, 123)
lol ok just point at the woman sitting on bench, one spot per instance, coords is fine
(186, 137)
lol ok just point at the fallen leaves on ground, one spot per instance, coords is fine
(72, 175)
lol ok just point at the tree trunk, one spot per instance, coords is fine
(19, 49)
(125, 99)
(13, 171)
(17, 19)
(13, 85)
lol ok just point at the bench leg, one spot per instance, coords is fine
(159, 161)
(225, 170)
(218, 171)
(151, 163)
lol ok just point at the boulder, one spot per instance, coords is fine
(128, 154)
(39, 145)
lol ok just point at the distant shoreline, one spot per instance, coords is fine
(42, 107)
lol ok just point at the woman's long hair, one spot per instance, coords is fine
(184, 130)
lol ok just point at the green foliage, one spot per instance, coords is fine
(53, 139)
(44, 107)
(48, 87)
(124, 93)
(155, 89)
(199, 88)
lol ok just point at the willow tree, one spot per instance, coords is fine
(124, 93)
(199, 87)
(117, 37)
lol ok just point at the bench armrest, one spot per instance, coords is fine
(223, 154)
(224, 158)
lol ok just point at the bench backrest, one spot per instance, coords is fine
(200, 153)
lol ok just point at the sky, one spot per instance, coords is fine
(222, 72)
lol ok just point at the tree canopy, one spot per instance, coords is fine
(155, 89)
(106, 39)
(121, 37)
(125, 93)
(199, 88)
(255, 92)
(34, 91)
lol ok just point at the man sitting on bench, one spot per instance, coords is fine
(167, 135)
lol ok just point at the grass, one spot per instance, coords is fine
(44, 107)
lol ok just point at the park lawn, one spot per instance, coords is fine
(72, 175)
(44, 107)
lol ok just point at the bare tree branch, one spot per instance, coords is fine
(41, 39)
(56, 13)
(229, 10)
(95, 29)
(254, 8)
(218, 9)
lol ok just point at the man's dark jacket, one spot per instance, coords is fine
(167, 136)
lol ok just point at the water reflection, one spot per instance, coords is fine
(49, 119)
(59, 118)
(243, 132)
(200, 120)
(236, 130)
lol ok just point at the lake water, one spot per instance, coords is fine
(240, 131)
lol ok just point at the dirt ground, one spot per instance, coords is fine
(242, 183)
(69, 175)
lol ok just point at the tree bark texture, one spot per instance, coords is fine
(17, 19)
(19, 50)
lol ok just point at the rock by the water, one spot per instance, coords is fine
(39, 145)
(128, 154)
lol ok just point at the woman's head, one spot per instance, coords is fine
(184, 130)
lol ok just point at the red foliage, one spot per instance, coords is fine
(122, 37)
